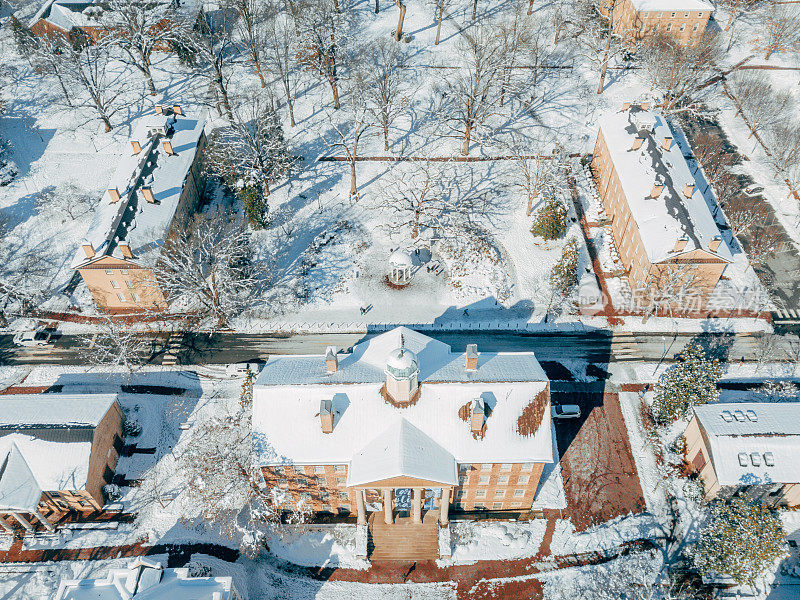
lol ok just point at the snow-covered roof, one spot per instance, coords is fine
(664, 220)
(287, 395)
(67, 14)
(400, 259)
(402, 451)
(142, 224)
(753, 442)
(50, 411)
(146, 580)
(672, 5)
(19, 489)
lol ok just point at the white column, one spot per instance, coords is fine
(444, 505)
(416, 505)
(47, 524)
(6, 527)
(387, 506)
(22, 521)
(361, 509)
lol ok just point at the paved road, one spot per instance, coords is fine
(596, 347)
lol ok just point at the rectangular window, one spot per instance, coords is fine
(516, 504)
(460, 494)
(699, 461)
(505, 467)
(699, 15)
(486, 467)
(282, 482)
(121, 297)
(503, 479)
(523, 479)
(669, 26)
(302, 482)
(343, 496)
(327, 508)
(323, 495)
(660, 15)
(499, 493)
(124, 271)
(673, 15)
(497, 505)
(464, 467)
(519, 493)
(695, 27)
(483, 480)
(341, 481)
(135, 297)
(340, 468)
(114, 284)
(319, 469)
(480, 494)
(683, 26)
(109, 271)
(129, 283)
(479, 506)
(527, 467)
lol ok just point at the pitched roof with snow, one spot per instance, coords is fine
(753, 442)
(19, 489)
(144, 225)
(672, 5)
(664, 220)
(287, 395)
(146, 580)
(52, 411)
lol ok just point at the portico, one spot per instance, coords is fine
(390, 507)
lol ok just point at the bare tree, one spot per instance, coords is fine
(679, 72)
(251, 26)
(519, 40)
(742, 214)
(401, 16)
(348, 134)
(116, 345)
(761, 105)
(86, 68)
(413, 196)
(213, 51)
(782, 139)
(280, 54)
(711, 155)
(779, 29)
(736, 9)
(207, 267)
(66, 200)
(598, 40)
(139, 29)
(470, 93)
(380, 83)
(323, 32)
(439, 8)
(47, 56)
(667, 288)
(536, 162)
(764, 246)
(25, 274)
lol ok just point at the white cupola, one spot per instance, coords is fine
(402, 374)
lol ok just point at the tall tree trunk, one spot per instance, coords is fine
(67, 99)
(290, 104)
(530, 7)
(335, 89)
(353, 186)
(467, 138)
(604, 66)
(260, 73)
(151, 86)
(730, 17)
(770, 50)
(377, 6)
(474, 9)
(385, 136)
(399, 33)
(439, 27)
(223, 92)
(106, 122)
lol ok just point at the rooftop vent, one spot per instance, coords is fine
(743, 459)
(769, 459)
(755, 458)
(739, 415)
(331, 360)
(727, 416)
(326, 415)
(471, 360)
(751, 414)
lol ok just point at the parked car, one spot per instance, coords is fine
(565, 411)
(39, 337)
(753, 190)
(236, 369)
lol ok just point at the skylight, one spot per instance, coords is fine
(755, 457)
(739, 415)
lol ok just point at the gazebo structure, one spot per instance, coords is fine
(400, 265)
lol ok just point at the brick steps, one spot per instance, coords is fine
(403, 540)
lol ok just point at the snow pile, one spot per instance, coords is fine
(606, 536)
(318, 546)
(472, 541)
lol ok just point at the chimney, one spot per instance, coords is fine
(637, 143)
(159, 109)
(713, 245)
(326, 415)
(688, 190)
(657, 189)
(626, 106)
(177, 110)
(148, 195)
(471, 360)
(477, 416)
(168, 147)
(113, 193)
(125, 249)
(137, 147)
(644, 106)
(667, 143)
(331, 360)
(680, 244)
(88, 248)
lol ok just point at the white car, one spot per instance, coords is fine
(34, 338)
(565, 411)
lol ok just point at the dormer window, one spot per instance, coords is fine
(739, 415)
(755, 458)
(743, 459)
(769, 459)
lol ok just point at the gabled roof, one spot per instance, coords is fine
(53, 411)
(19, 490)
(402, 450)
(740, 432)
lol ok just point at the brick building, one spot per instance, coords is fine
(661, 222)
(683, 20)
(747, 448)
(155, 189)
(402, 427)
(57, 451)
